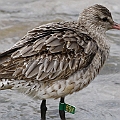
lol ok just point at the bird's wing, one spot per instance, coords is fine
(49, 52)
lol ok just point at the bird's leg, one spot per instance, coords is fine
(62, 112)
(43, 110)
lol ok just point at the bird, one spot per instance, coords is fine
(57, 59)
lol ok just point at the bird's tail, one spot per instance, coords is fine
(5, 84)
(29, 88)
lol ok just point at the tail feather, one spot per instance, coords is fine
(29, 88)
(4, 58)
(5, 84)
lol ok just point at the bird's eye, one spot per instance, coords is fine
(104, 19)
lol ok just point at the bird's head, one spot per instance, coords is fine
(97, 18)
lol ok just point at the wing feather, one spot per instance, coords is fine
(50, 52)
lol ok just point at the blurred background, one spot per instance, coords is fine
(100, 100)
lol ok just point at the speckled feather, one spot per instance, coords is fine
(50, 54)
(52, 60)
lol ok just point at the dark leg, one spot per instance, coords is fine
(43, 110)
(62, 112)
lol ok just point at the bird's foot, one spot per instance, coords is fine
(43, 110)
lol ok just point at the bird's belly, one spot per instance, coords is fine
(75, 82)
(59, 88)
(62, 87)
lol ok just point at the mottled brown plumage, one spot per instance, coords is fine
(55, 54)
(57, 59)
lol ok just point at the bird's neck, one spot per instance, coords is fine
(96, 34)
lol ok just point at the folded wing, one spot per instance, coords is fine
(49, 52)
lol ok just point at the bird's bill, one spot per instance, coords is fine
(116, 26)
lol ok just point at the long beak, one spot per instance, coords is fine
(116, 26)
